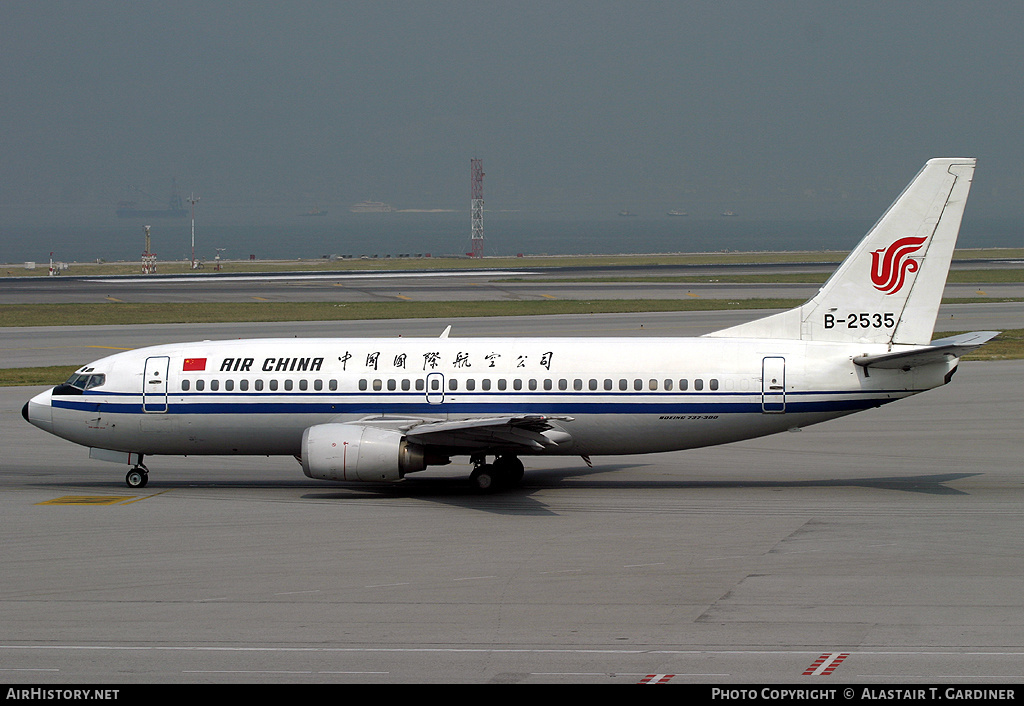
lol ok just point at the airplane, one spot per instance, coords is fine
(379, 409)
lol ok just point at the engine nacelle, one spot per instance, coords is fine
(350, 452)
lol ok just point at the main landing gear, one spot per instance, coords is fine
(505, 472)
(138, 476)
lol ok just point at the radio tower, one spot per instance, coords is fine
(476, 205)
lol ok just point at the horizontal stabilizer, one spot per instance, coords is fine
(939, 351)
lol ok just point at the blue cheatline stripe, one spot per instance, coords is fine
(708, 405)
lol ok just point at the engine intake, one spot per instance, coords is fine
(350, 452)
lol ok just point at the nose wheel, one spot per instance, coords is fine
(137, 477)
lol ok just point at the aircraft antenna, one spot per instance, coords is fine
(476, 206)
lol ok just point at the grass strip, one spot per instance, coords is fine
(127, 313)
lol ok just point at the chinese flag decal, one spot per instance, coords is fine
(194, 364)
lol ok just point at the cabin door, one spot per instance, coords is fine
(435, 388)
(154, 384)
(773, 385)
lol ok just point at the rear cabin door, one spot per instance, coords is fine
(773, 385)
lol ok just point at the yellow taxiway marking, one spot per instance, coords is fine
(88, 500)
(261, 299)
(691, 294)
(112, 348)
(981, 293)
(549, 296)
(402, 296)
(99, 499)
(115, 299)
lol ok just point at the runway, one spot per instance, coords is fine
(884, 544)
(890, 536)
(447, 285)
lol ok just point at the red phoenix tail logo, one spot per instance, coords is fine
(889, 266)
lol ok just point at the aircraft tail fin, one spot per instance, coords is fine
(888, 290)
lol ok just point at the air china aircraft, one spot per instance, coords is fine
(375, 409)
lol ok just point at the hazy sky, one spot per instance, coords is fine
(781, 108)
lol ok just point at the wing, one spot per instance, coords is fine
(513, 433)
(525, 432)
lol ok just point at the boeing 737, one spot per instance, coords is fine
(376, 409)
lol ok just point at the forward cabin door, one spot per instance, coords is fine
(154, 384)
(773, 385)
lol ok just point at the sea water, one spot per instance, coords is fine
(241, 236)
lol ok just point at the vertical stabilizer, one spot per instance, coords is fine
(888, 290)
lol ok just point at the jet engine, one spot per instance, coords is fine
(350, 452)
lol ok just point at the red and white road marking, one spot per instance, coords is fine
(826, 664)
(656, 679)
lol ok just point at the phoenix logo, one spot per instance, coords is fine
(889, 266)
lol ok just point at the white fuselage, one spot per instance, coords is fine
(611, 395)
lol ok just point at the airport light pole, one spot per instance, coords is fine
(192, 200)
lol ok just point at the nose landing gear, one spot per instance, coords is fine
(138, 476)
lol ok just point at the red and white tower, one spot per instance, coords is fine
(476, 205)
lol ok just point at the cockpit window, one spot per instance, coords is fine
(78, 383)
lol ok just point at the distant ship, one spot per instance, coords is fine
(677, 212)
(371, 207)
(624, 212)
(315, 212)
(728, 214)
(175, 208)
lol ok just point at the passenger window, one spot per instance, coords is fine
(318, 384)
(243, 385)
(258, 385)
(332, 384)
(668, 385)
(453, 384)
(502, 383)
(405, 384)
(470, 384)
(485, 384)
(289, 384)
(419, 384)
(684, 385)
(714, 384)
(698, 384)
(517, 384)
(199, 385)
(362, 385)
(185, 385)
(563, 384)
(592, 385)
(638, 385)
(392, 384)
(577, 384)
(214, 385)
(377, 385)
(273, 385)
(623, 384)
(229, 385)
(303, 384)
(548, 384)
(652, 385)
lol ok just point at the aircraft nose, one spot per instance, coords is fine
(38, 412)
